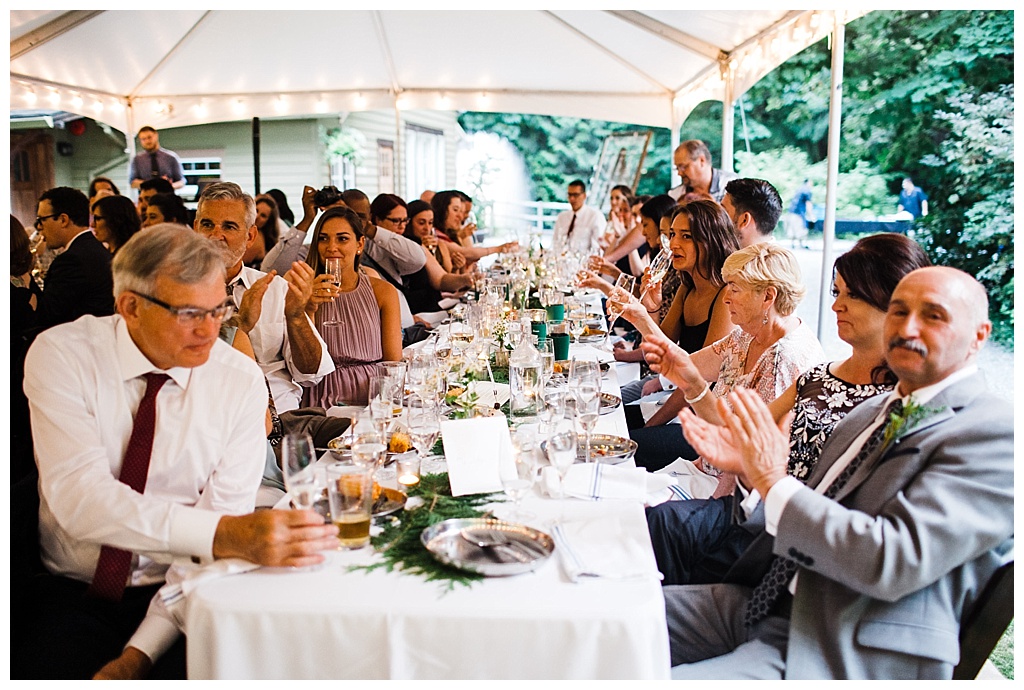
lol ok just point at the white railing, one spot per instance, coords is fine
(521, 219)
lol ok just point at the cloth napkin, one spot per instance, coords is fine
(478, 452)
(173, 594)
(601, 548)
(689, 483)
(597, 480)
(650, 404)
(489, 393)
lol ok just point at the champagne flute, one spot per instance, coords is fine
(617, 301)
(298, 458)
(657, 270)
(333, 268)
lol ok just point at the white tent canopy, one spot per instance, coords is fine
(178, 68)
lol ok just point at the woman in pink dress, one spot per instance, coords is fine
(358, 316)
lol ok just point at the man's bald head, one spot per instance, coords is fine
(936, 323)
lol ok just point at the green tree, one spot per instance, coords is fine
(560, 149)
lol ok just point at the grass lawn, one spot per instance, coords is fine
(1002, 655)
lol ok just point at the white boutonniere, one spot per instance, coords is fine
(899, 425)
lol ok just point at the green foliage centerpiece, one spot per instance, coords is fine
(399, 543)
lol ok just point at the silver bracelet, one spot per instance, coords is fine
(707, 387)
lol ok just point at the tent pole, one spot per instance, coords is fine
(256, 155)
(674, 139)
(728, 118)
(129, 138)
(399, 160)
(834, 120)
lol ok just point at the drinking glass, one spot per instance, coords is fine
(562, 452)
(551, 409)
(368, 445)
(350, 493)
(657, 270)
(546, 348)
(588, 408)
(618, 299)
(517, 485)
(395, 373)
(381, 402)
(297, 464)
(333, 268)
(424, 425)
(421, 364)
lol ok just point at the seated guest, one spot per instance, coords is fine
(696, 541)
(359, 318)
(700, 240)
(767, 349)
(267, 224)
(271, 309)
(754, 207)
(114, 221)
(100, 184)
(868, 570)
(393, 255)
(149, 188)
(423, 289)
(284, 211)
(166, 208)
(78, 281)
(25, 295)
(448, 217)
(149, 439)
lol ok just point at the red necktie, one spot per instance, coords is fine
(572, 224)
(114, 564)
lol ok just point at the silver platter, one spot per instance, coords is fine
(518, 548)
(609, 402)
(606, 448)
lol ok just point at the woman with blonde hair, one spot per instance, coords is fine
(768, 348)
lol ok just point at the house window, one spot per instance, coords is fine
(201, 170)
(343, 173)
(385, 166)
(425, 160)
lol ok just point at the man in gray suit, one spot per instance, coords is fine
(907, 515)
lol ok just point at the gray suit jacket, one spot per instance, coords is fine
(889, 567)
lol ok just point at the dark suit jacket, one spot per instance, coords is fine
(79, 282)
(888, 568)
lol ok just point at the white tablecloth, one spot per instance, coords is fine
(330, 623)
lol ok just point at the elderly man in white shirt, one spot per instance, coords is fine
(150, 443)
(271, 309)
(578, 229)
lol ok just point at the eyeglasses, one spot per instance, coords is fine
(397, 221)
(40, 219)
(573, 195)
(193, 316)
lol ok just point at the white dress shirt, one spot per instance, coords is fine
(394, 253)
(83, 382)
(270, 342)
(589, 227)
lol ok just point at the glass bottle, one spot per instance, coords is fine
(525, 379)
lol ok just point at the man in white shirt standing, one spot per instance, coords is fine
(868, 569)
(271, 309)
(578, 229)
(150, 443)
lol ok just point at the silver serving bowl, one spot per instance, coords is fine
(493, 548)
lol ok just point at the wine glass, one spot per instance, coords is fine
(424, 425)
(617, 300)
(300, 479)
(518, 484)
(588, 408)
(333, 268)
(551, 409)
(368, 448)
(421, 364)
(546, 348)
(562, 452)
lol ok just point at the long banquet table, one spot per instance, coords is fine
(336, 623)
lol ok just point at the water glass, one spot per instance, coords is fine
(298, 458)
(350, 494)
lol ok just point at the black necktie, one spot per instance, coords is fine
(572, 225)
(782, 569)
(154, 164)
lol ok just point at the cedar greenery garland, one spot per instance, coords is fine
(399, 544)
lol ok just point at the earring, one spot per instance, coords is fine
(764, 321)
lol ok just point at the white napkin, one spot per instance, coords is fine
(433, 317)
(649, 404)
(490, 393)
(597, 480)
(174, 593)
(690, 482)
(601, 548)
(478, 452)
